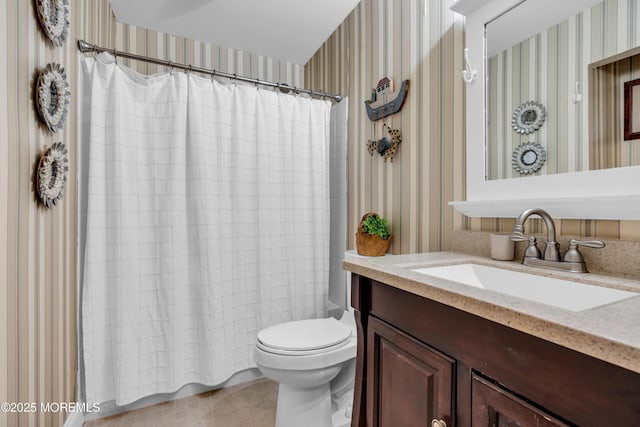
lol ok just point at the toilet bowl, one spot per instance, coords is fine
(304, 357)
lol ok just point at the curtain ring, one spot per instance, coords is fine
(213, 74)
(257, 82)
(170, 67)
(190, 68)
(115, 57)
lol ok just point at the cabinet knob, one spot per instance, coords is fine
(438, 423)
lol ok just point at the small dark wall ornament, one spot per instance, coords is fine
(632, 110)
(383, 145)
(386, 147)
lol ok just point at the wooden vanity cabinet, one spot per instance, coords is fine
(420, 360)
(493, 406)
(406, 379)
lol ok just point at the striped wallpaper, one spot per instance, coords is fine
(419, 40)
(546, 68)
(38, 246)
(423, 41)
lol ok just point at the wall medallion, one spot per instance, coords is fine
(52, 174)
(54, 19)
(52, 96)
(528, 117)
(528, 157)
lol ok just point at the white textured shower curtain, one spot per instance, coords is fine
(207, 219)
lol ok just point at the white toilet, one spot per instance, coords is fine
(314, 362)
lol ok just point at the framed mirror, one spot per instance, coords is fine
(571, 190)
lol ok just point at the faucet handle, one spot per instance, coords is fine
(598, 244)
(574, 255)
(517, 235)
(519, 238)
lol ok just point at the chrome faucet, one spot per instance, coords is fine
(572, 261)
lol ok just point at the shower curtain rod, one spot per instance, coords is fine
(86, 47)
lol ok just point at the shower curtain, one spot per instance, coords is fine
(206, 219)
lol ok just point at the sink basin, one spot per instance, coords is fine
(559, 293)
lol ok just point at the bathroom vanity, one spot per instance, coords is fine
(436, 352)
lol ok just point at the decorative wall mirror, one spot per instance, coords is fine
(564, 185)
(528, 117)
(528, 157)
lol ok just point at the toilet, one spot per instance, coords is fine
(314, 362)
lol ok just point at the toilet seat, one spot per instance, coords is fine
(304, 337)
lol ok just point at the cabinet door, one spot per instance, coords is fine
(493, 406)
(408, 383)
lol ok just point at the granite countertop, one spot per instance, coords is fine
(609, 332)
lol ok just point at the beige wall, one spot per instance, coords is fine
(38, 246)
(421, 41)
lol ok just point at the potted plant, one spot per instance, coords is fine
(373, 237)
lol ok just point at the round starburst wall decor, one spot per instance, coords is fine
(528, 157)
(52, 174)
(52, 96)
(528, 117)
(54, 19)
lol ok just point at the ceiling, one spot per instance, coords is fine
(291, 30)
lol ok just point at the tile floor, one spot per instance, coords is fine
(251, 404)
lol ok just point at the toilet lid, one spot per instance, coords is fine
(304, 336)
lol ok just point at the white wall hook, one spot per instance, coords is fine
(468, 75)
(577, 97)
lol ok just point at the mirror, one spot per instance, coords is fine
(540, 62)
(582, 192)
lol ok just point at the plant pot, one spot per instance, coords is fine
(371, 245)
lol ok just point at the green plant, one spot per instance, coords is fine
(376, 225)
